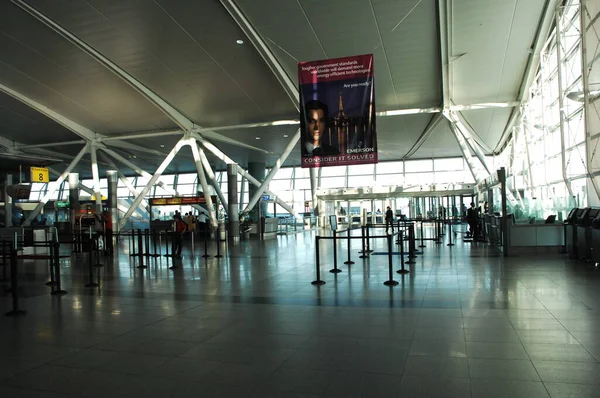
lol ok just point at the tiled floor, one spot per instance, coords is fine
(464, 323)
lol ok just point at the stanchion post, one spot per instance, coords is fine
(402, 270)
(219, 255)
(411, 244)
(141, 265)
(52, 282)
(193, 244)
(14, 284)
(91, 282)
(167, 243)
(206, 236)
(450, 234)
(133, 253)
(97, 250)
(364, 252)
(56, 259)
(335, 269)
(159, 251)
(369, 239)
(147, 242)
(5, 257)
(349, 262)
(391, 281)
(154, 243)
(422, 245)
(318, 281)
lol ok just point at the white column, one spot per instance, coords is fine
(217, 152)
(261, 189)
(59, 181)
(212, 178)
(202, 178)
(96, 178)
(153, 179)
(243, 188)
(8, 203)
(138, 170)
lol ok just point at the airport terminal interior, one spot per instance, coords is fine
(181, 214)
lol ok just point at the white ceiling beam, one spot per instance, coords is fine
(175, 115)
(82, 131)
(181, 120)
(10, 145)
(48, 145)
(433, 123)
(444, 10)
(473, 138)
(289, 86)
(67, 123)
(533, 63)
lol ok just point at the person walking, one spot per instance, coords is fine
(389, 219)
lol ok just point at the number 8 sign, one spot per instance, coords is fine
(40, 174)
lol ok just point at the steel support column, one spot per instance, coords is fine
(561, 100)
(127, 184)
(96, 178)
(218, 153)
(8, 203)
(261, 189)
(138, 170)
(111, 178)
(153, 179)
(465, 151)
(202, 177)
(212, 178)
(587, 104)
(74, 188)
(243, 188)
(234, 218)
(59, 181)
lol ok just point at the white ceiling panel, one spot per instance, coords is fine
(490, 42)
(22, 124)
(303, 31)
(488, 123)
(411, 39)
(45, 67)
(440, 143)
(397, 134)
(184, 51)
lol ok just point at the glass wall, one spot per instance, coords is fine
(292, 184)
(546, 157)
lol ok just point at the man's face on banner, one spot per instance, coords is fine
(316, 124)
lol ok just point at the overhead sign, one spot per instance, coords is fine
(18, 191)
(188, 200)
(337, 111)
(62, 205)
(40, 174)
(266, 198)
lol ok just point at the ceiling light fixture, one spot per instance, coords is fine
(285, 136)
(162, 146)
(258, 138)
(239, 41)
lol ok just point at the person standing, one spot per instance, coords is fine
(178, 236)
(191, 224)
(108, 234)
(389, 219)
(472, 220)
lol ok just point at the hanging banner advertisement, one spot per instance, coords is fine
(337, 111)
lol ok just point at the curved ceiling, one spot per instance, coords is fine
(186, 53)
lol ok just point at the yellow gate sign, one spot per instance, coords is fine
(40, 174)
